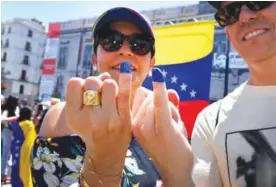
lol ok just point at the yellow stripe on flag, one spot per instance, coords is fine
(184, 42)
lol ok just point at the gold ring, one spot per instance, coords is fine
(91, 98)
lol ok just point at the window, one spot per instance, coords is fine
(220, 44)
(60, 82)
(28, 46)
(9, 30)
(30, 33)
(26, 60)
(7, 43)
(59, 87)
(4, 57)
(23, 75)
(21, 89)
(63, 57)
(85, 74)
(87, 56)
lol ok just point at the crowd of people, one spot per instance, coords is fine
(20, 123)
(112, 132)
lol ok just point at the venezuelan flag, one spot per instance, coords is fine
(184, 53)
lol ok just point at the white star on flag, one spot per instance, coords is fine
(164, 73)
(183, 86)
(193, 93)
(174, 79)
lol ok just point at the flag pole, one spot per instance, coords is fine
(226, 73)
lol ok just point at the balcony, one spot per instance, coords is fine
(4, 57)
(28, 49)
(6, 45)
(23, 78)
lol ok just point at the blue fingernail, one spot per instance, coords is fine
(157, 75)
(125, 67)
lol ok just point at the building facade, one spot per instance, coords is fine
(23, 45)
(75, 49)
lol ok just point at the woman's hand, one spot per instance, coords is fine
(106, 128)
(158, 128)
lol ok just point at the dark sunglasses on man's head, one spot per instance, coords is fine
(230, 14)
(111, 40)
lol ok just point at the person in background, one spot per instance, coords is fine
(37, 112)
(2, 109)
(54, 101)
(23, 137)
(38, 125)
(22, 103)
(10, 111)
(2, 99)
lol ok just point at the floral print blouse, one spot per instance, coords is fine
(57, 162)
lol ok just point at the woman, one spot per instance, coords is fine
(9, 112)
(23, 138)
(114, 157)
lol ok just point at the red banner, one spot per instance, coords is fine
(49, 66)
(54, 30)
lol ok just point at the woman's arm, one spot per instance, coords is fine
(92, 178)
(54, 123)
(8, 119)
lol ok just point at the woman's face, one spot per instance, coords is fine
(110, 61)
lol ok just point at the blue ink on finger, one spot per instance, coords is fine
(157, 75)
(125, 67)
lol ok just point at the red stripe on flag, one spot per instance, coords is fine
(189, 111)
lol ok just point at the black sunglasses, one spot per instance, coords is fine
(230, 14)
(111, 40)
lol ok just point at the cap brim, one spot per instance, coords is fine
(123, 14)
(215, 4)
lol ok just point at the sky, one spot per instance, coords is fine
(52, 11)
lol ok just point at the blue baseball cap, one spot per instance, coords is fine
(123, 14)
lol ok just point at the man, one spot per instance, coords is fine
(234, 142)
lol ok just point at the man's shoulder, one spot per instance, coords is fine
(226, 101)
(212, 109)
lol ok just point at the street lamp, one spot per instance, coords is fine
(226, 73)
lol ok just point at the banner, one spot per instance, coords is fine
(184, 53)
(48, 67)
(49, 62)
(46, 88)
